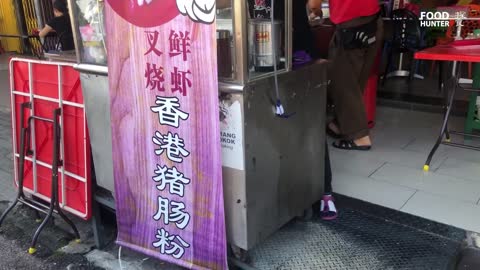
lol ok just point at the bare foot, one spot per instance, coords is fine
(364, 141)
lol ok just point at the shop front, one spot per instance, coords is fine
(204, 128)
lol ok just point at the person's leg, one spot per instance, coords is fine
(332, 127)
(371, 55)
(328, 211)
(370, 58)
(328, 172)
(349, 104)
(346, 93)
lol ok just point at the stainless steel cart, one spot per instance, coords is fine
(273, 166)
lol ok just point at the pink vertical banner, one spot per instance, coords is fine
(164, 114)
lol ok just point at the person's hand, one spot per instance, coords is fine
(35, 32)
(316, 14)
(315, 8)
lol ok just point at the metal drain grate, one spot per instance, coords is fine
(354, 241)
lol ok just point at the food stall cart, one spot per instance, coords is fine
(89, 34)
(272, 164)
(274, 169)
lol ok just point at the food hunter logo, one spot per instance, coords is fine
(438, 19)
(434, 19)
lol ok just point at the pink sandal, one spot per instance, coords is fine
(328, 211)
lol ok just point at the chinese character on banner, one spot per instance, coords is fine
(167, 244)
(162, 69)
(172, 177)
(179, 44)
(177, 214)
(152, 37)
(154, 77)
(168, 111)
(173, 144)
(162, 210)
(180, 82)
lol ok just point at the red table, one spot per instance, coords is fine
(455, 53)
(450, 53)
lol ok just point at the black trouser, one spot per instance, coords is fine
(328, 171)
(349, 72)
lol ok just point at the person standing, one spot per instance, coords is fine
(60, 24)
(353, 50)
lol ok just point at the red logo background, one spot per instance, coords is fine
(154, 14)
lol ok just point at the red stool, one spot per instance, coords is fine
(370, 93)
(370, 99)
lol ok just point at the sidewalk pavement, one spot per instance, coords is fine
(17, 230)
(7, 191)
(4, 87)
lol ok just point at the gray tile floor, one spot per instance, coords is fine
(392, 175)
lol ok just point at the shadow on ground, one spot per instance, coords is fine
(16, 233)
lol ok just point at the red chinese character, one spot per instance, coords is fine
(152, 38)
(179, 44)
(180, 82)
(154, 77)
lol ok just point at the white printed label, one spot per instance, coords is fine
(231, 135)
